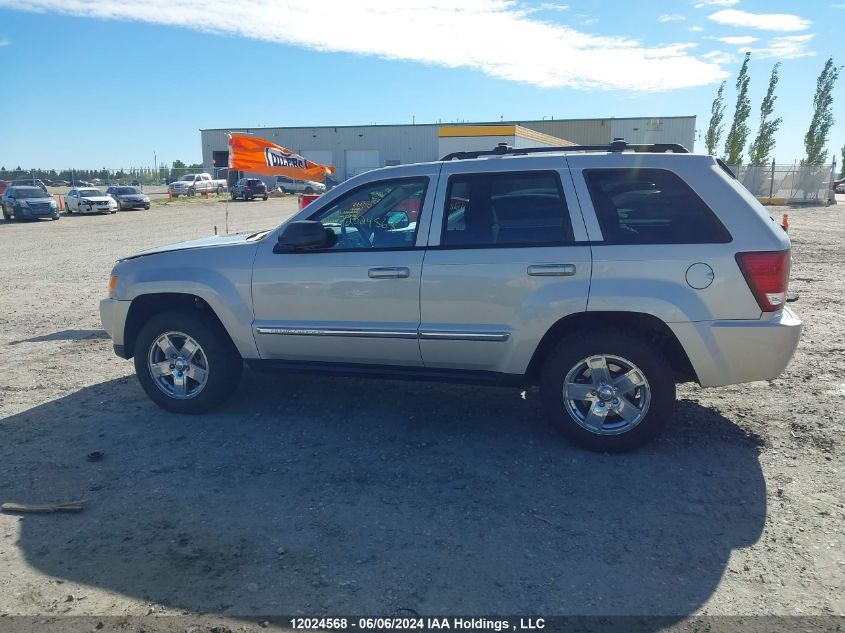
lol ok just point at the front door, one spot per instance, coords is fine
(507, 259)
(358, 300)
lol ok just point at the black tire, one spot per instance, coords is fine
(224, 363)
(308, 190)
(578, 346)
(232, 194)
(146, 207)
(6, 216)
(284, 191)
(192, 192)
(265, 198)
(56, 216)
(219, 190)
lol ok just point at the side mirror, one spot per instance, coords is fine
(304, 235)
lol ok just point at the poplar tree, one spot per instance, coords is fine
(717, 114)
(738, 134)
(815, 141)
(761, 148)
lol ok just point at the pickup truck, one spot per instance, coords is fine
(192, 184)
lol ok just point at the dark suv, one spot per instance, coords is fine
(249, 188)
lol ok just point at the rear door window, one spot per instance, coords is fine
(651, 206)
(505, 209)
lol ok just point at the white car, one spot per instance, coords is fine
(85, 200)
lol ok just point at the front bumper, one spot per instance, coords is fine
(731, 352)
(113, 315)
(26, 212)
(134, 204)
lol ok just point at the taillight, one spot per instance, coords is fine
(767, 274)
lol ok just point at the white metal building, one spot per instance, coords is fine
(355, 149)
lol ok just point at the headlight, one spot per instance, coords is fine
(146, 199)
(53, 204)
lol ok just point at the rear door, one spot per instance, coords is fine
(507, 258)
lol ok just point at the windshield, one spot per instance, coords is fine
(122, 191)
(31, 193)
(85, 193)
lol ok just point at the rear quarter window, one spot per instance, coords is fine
(651, 206)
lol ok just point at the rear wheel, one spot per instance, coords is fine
(232, 194)
(265, 198)
(6, 215)
(308, 190)
(607, 391)
(186, 363)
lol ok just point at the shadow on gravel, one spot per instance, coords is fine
(65, 335)
(311, 495)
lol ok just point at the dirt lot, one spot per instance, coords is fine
(326, 495)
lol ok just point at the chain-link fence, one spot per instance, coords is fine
(795, 183)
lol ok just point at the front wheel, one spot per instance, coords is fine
(308, 190)
(6, 215)
(264, 198)
(192, 192)
(219, 190)
(607, 391)
(186, 363)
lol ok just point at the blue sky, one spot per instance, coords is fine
(111, 83)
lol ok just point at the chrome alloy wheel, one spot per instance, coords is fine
(178, 365)
(606, 395)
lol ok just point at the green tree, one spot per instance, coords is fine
(815, 140)
(715, 129)
(761, 147)
(738, 134)
(841, 167)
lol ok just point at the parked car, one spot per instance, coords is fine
(192, 184)
(289, 185)
(89, 200)
(28, 203)
(60, 183)
(249, 188)
(135, 183)
(29, 182)
(603, 277)
(839, 185)
(3, 185)
(129, 197)
(80, 183)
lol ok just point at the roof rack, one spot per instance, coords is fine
(617, 146)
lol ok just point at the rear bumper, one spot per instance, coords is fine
(730, 352)
(113, 315)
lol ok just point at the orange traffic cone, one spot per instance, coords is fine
(169, 195)
(61, 204)
(785, 223)
(206, 194)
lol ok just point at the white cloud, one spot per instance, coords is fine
(720, 57)
(736, 40)
(763, 21)
(439, 32)
(671, 17)
(837, 6)
(696, 28)
(716, 3)
(785, 47)
(4, 42)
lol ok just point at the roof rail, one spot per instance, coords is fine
(618, 145)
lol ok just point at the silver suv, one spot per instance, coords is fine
(604, 275)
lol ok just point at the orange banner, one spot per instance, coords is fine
(257, 156)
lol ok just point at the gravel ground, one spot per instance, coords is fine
(316, 495)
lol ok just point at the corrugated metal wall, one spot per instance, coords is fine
(403, 144)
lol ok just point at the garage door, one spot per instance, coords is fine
(319, 156)
(360, 160)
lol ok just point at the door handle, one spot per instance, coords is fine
(551, 270)
(389, 272)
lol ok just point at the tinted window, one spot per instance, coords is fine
(651, 206)
(377, 215)
(506, 209)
